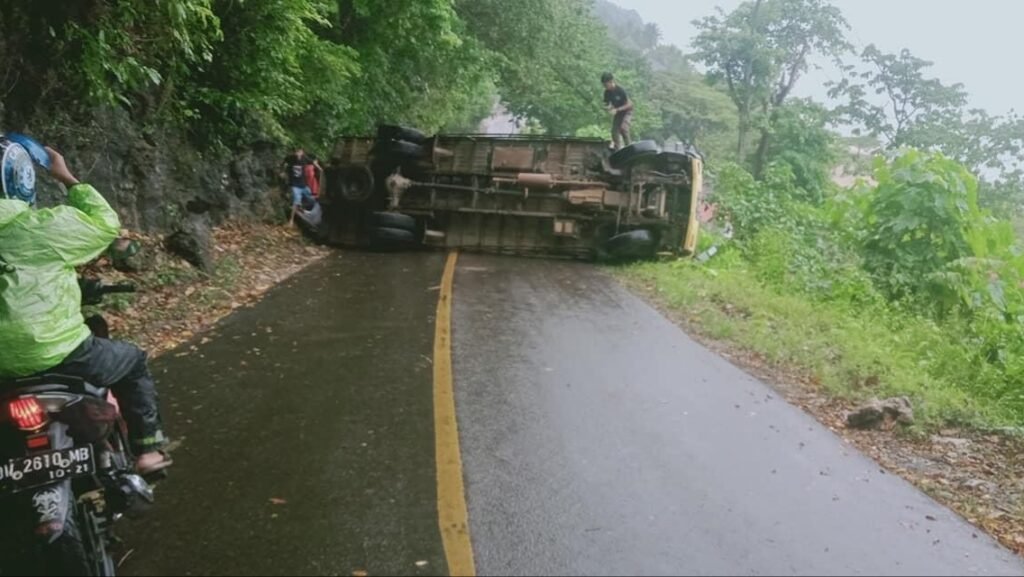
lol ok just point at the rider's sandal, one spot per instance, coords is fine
(158, 467)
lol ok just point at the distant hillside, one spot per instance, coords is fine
(638, 36)
(627, 26)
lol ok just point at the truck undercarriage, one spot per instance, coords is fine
(524, 195)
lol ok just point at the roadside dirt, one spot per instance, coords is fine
(979, 475)
(175, 302)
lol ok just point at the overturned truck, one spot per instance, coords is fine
(522, 195)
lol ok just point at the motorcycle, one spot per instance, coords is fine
(67, 473)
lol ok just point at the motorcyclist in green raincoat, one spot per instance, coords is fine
(41, 325)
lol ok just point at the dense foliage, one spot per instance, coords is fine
(893, 98)
(235, 72)
(913, 248)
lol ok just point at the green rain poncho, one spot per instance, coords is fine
(40, 303)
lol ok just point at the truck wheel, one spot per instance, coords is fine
(391, 239)
(395, 220)
(395, 132)
(356, 184)
(633, 152)
(632, 245)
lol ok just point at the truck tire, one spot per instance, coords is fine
(356, 184)
(633, 245)
(627, 155)
(394, 220)
(395, 132)
(391, 239)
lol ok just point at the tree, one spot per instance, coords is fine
(549, 55)
(759, 51)
(691, 110)
(420, 63)
(272, 68)
(896, 100)
(909, 104)
(802, 140)
(129, 53)
(922, 217)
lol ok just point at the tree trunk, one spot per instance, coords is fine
(346, 18)
(741, 142)
(761, 158)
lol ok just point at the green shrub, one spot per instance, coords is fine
(907, 284)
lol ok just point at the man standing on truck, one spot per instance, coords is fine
(620, 107)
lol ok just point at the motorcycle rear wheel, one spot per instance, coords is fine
(69, 554)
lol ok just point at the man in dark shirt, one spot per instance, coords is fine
(621, 107)
(295, 169)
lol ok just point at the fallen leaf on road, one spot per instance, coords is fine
(421, 563)
(276, 501)
(125, 558)
(359, 573)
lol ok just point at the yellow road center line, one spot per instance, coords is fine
(453, 516)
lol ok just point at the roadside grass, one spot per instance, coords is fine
(852, 353)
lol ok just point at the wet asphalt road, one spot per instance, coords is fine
(599, 439)
(596, 439)
(321, 397)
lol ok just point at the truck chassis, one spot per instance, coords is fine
(521, 195)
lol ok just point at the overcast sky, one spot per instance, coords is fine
(979, 43)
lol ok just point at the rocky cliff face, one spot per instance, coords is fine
(159, 183)
(156, 180)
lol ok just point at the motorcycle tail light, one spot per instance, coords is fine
(26, 413)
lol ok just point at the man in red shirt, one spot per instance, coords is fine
(296, 170)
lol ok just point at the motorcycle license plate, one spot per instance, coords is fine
(29, 472)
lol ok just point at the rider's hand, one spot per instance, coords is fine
(59, 168)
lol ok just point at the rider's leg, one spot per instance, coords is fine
(121, 367)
